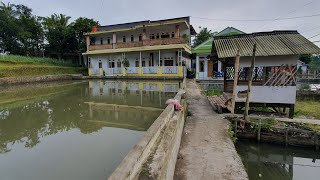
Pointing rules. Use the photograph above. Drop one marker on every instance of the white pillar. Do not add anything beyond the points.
(197, 67)
(159, 58)
(219, 66)
(140, 61)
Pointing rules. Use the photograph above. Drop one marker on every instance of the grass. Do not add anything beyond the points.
(309, 109)
(214, 92)
(14, 59)
(15, 66)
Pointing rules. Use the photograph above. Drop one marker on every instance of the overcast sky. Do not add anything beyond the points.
(121, 11)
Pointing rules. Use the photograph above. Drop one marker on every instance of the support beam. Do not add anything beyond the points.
(197, 66)
(88, 42)
(114, 40)
(159, 57)
(140, 60)
(235, 83)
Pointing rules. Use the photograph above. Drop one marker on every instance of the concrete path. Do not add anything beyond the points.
(206, 151)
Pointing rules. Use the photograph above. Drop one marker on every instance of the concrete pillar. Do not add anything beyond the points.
(159, 58)
(144, 34)
(177, 32)
(114, 40)
(197, 67)
(88, 42)
(140, 60)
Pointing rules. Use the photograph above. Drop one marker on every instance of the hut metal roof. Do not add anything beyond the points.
(268, 44)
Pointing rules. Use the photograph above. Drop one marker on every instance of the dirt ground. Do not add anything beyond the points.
(206, 151)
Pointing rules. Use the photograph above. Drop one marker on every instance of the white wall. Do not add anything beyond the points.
(269, 61)
(269, 94)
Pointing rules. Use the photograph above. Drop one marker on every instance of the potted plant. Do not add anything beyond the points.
(125, 63)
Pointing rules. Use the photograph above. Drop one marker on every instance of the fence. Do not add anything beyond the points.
(169, 70)
(150, 70)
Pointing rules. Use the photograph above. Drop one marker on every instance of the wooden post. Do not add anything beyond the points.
(235, 82)
(259, 131)
(286, 137)
(246, 112)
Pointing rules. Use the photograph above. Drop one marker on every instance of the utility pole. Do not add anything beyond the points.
(246, 112)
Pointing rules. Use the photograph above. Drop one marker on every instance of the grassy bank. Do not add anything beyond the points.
(15, 66)
(308, 108)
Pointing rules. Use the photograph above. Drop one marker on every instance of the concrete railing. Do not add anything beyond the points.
(169, 69)
(132, 70)
(150, 70)
(132, 164)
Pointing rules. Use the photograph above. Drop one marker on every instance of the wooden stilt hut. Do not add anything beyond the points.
(274, 72)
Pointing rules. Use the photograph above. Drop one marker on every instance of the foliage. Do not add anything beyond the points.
(125, 62)
(231, 133)
(305, 87)
(306, 58)
(22, 33)
(81, 26)
(15, 59)
(202, 36)
(315, 64)
(214, 92)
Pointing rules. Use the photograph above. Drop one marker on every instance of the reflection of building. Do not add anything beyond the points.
(133, 93)
(122, 116)
(152, 48)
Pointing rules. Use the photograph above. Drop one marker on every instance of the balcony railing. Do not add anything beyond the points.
(150, 70)
(132, 70)
(169, 69)
(146, 42)
(100, 47)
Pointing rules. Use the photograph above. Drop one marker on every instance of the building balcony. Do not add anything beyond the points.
(146, 42)
(100, 47)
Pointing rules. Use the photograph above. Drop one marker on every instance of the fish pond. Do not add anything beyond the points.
(276, 162)
(75, 130)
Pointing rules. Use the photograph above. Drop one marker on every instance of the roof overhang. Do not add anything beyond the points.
(185, 47)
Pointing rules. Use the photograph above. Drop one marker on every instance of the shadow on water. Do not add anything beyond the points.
(108, 117)
(266, 161)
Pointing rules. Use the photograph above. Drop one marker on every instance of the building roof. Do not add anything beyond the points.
(268, 44)
(230, 30)
(206, 46)
(141, 24)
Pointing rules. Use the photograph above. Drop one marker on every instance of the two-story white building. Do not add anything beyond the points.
(153, 48)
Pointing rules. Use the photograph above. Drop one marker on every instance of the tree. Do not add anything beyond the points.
(306, 58)
(315, 64)
(202, 36)
(81, 26)
(59, 34)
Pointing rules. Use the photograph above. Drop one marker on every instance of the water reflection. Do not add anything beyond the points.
(67, 112)
(274, 162)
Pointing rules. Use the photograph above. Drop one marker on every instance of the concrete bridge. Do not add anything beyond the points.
(177, 146)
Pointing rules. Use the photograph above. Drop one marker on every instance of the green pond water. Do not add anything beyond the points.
(276, 162)
(74, 130)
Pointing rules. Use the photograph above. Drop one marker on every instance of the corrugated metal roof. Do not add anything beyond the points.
(268, 44)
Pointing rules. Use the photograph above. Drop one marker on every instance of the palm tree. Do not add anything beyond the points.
(8, 9)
